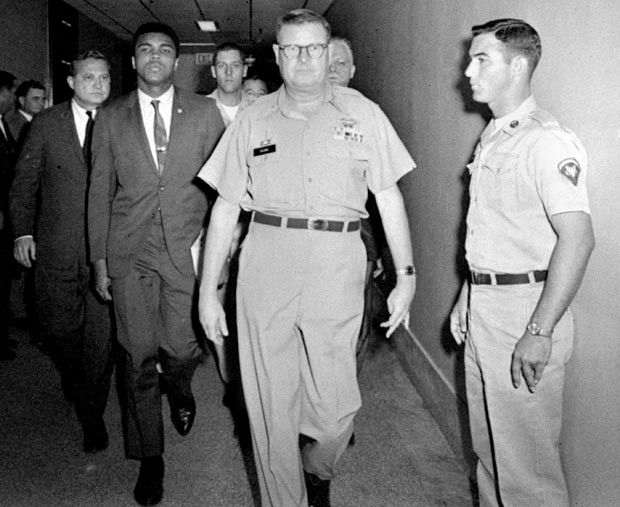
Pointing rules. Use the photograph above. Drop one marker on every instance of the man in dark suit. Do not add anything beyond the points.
(7, 163)
(52, 174)
(145, 211)
(30, 97)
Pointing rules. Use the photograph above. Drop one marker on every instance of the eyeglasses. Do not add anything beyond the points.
(314, 51)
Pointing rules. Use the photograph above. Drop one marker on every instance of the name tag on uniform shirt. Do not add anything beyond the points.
(264, 150)
(347, 130)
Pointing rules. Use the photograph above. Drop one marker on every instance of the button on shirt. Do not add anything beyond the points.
(275, 161)
(526, 168)
(148, 115)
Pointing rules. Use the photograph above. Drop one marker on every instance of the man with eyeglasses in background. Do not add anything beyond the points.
(228, 69)
(302, 160)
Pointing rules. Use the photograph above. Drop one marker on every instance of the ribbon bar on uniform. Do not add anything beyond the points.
(314, 224)
(507, 278)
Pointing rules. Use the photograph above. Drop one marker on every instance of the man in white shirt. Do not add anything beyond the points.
(228, 69)
(144, 213)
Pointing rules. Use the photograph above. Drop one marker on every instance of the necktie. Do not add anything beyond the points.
(88, 137)
(161, 139)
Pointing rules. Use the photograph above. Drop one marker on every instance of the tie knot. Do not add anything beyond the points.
(89, 114)
(155, 104)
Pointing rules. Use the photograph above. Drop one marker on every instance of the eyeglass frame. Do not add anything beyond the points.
(284, 47)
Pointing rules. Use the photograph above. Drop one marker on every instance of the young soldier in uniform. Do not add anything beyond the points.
(301, 160)
(529, 237)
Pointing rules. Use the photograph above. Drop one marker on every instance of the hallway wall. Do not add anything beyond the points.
(24, 47)
(410, 56)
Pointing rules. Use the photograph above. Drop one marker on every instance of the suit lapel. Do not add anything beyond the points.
(68, 130)
(137, 125)
(177, 125)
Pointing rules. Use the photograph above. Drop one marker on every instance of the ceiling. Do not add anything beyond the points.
(247, 22)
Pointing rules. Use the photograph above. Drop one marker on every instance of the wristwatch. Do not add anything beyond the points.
(535, 330)
(407, 270)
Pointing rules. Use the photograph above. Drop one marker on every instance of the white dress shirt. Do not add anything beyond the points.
(148, 115)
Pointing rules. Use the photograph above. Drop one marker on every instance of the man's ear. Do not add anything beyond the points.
(213, 72)
(22, 101)
(352, 71)
(276, 52)
(133, 62)
(519, 65)
(70, 81)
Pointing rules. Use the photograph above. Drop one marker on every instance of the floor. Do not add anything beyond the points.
(399, 459)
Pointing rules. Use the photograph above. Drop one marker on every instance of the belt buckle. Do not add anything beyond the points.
(318, 224)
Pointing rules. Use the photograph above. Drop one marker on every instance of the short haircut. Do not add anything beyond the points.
(7, 80)
(86, 55)
(519, 37)
(156, 27)
(346, 43)
(26, 86)
(228, 46)
(300, 17)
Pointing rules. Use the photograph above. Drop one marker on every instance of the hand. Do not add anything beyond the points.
(25, 251)
(458, 316)
(398, 303)
(212, 318)
(102, 280)
(530, 356)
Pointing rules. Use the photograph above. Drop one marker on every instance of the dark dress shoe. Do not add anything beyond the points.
(149, 489)
(95, 437)
(182, 412)
(318, 491)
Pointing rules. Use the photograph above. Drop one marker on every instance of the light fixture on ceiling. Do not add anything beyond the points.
(208, 26)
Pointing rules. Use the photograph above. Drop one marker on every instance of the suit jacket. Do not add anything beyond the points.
(51, 166)
(126, 190)
(17, 123)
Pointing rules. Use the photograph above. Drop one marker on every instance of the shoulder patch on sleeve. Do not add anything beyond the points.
(570, 168)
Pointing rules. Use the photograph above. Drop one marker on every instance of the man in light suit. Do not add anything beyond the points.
(145, 211)
(52, 173)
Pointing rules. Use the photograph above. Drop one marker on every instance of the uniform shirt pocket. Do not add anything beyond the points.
(500, 182)
(274, 181)
(344, 178)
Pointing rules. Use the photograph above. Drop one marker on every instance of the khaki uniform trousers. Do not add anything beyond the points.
(515, 434)
(299, 307)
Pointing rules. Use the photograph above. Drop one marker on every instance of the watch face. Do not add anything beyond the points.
(533, 328)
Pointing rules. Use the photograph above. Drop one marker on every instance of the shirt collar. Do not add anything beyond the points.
(509, 122)
(282, 102)
(165, 99)
(80, 111)
(25, 115)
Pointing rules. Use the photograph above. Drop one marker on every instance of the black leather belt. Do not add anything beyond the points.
(314, 224)
(507, 278)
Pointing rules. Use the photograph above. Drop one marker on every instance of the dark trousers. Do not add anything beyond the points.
(6, 273)
(153, 306)
(77, 326)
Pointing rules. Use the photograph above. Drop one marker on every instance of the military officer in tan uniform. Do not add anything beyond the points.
(529, 237)
(302, 160)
